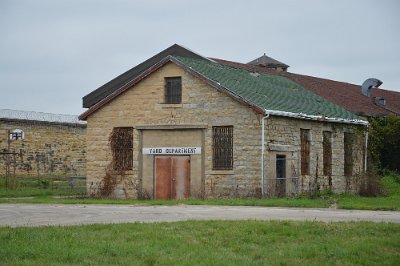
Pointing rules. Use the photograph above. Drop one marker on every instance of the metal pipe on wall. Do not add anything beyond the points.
(262, 152)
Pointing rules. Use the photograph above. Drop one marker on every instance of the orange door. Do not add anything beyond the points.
(172, 177)
(162, 177)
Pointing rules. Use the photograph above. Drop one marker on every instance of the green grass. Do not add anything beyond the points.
(204, 243)
(391, 200)
(38, 192)
(391, 184)
(364, 203)
(304, 202)
(342, 202)
(42, 187)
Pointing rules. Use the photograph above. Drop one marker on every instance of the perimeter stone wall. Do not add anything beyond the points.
(48, 149)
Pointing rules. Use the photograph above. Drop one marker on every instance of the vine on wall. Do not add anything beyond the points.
(121, 144)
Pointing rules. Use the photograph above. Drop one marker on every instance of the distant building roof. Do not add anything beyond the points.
(39, 116)
(344, 94)
(268, 62)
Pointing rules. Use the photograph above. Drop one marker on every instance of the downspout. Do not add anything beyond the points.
(366, 152)
(262, 153)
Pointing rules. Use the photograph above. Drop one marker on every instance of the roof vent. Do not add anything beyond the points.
(380, 101)
(368, 85)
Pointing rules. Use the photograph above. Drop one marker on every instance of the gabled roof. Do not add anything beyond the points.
(7, 114)
(344, 94)
(263, 92)
(110, 87)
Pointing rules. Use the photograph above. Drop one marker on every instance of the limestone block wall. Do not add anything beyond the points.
(201, 106)
(48, 149)
(283, 137)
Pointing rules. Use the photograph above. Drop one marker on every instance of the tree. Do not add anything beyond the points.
(384, 143)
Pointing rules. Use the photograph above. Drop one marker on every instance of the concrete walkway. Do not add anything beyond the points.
(15, 215)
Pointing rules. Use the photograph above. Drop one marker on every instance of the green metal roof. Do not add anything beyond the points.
(267, 91)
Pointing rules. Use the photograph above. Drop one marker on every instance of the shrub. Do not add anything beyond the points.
(384, 143)
(44, 183)
(391, 183)
(371, 185)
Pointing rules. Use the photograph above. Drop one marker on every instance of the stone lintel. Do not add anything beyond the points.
(282, 147)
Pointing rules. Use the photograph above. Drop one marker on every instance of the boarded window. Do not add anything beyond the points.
(121, 141)
(173, 90)
(223, 148)
(305, 151)
(348, 153)
(327, 152)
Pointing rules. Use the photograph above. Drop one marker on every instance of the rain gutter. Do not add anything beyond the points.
(317, 117)
(263, 152)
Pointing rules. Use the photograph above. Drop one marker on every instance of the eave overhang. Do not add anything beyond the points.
(320, 118)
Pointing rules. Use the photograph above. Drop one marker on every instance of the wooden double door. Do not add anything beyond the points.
(171, 177)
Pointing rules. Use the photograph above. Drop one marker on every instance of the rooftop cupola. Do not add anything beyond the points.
(268, 62)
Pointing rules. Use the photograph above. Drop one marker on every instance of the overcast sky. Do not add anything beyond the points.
(53, 52)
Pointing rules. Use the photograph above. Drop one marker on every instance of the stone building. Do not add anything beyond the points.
(42, 144)
(180, 125)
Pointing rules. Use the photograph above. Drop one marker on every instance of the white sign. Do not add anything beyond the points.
(17, 134)
(172, 150)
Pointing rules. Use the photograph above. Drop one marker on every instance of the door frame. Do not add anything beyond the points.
(280, 185)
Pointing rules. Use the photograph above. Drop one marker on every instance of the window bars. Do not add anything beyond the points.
(223, 148)
(121, 141)
(173, 90)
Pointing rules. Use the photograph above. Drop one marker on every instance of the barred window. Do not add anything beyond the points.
(305, 151)
(173, 90)
(121, 141)
(327, 152)
(348, 154)
(223, 148)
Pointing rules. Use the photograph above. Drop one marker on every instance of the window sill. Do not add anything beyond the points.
(222, 172)
(171, 105)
